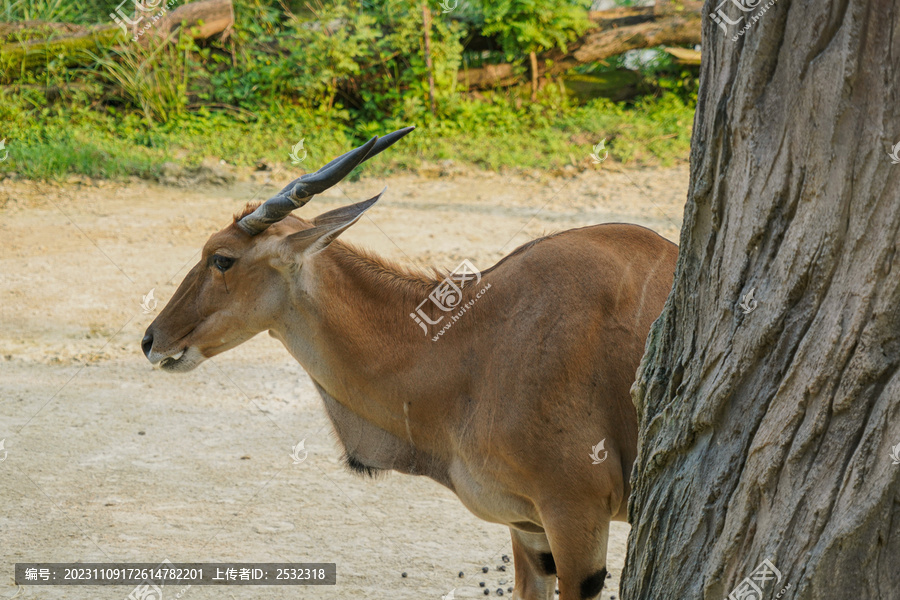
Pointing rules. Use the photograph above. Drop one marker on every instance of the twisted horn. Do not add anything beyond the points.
(301, 190)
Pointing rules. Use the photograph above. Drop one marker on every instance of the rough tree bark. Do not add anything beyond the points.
(767, 435)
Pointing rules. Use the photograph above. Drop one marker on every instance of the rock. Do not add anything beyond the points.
(214, 172)
(77, 179)
(429, 170)
(273, 527)
(210, 172)
(449, 168)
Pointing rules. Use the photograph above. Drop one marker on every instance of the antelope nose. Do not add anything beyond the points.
(147, 343)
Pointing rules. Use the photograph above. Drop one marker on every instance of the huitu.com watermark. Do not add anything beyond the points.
(447, 297)
(144, 13)
(752, 586)
(298, 153)
(732, 13)
(748, 302)
(596, 459)
(600, 152)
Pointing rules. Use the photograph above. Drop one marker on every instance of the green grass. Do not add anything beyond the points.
(56, 10)
(53, 143)
(123, 111)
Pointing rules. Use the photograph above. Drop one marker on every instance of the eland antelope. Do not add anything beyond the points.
(510, 408)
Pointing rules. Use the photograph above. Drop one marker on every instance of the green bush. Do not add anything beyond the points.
(534, 25)
(333, 74)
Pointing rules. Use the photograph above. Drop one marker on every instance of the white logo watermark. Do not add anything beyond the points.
(748, 304)
(723, 20)
(601, 147)
(129, 22)
(150, 591)
(148, 302)
(298, 152)
(3, 441)
(447, 296)
(4, 150)
(895, 454)
(296, 450)
(450, 596)
(595, 452)
(751, 588)
(894, 153)
(447, 6)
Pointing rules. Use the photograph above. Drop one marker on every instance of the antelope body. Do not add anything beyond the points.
(504, 408)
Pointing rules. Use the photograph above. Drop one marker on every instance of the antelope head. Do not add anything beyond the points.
(233, 292)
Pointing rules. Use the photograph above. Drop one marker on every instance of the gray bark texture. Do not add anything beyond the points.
(767, 435)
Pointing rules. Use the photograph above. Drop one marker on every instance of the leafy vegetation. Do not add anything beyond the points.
(333, 74)
(535, 25)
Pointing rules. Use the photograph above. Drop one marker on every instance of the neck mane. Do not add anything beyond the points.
(390, 278)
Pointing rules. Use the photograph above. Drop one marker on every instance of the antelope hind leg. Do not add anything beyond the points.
(535, 567)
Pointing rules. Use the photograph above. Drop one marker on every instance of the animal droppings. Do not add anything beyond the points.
(499, 591)
(505, 558)
(486, 592)
(480, 584)
(509, 589)
(461, 574)
(501, 568)
(484, 569)
(403, 574)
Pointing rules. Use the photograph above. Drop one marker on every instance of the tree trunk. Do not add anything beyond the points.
(767, 435)
(532, 57)
(426, 24)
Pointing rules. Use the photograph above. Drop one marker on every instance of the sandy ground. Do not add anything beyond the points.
(109, 460)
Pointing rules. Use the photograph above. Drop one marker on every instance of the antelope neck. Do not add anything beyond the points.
(348, 324)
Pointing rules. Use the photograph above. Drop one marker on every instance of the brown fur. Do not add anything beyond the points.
(503, 409)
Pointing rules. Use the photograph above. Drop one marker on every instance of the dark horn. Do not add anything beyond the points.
(381, 145)
(301, 190)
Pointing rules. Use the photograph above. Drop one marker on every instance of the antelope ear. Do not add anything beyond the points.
(327, 226)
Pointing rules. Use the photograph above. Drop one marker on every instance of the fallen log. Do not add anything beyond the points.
(684, 56)
(203, 20)
(616, 31)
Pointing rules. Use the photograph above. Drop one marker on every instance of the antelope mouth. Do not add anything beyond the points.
(181, 361)
(171, 361)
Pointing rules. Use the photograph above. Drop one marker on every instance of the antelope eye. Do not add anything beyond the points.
(222, 263)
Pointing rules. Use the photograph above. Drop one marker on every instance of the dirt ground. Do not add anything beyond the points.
(109, 460)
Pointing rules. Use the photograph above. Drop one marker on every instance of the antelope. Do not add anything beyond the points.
(509, 408)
